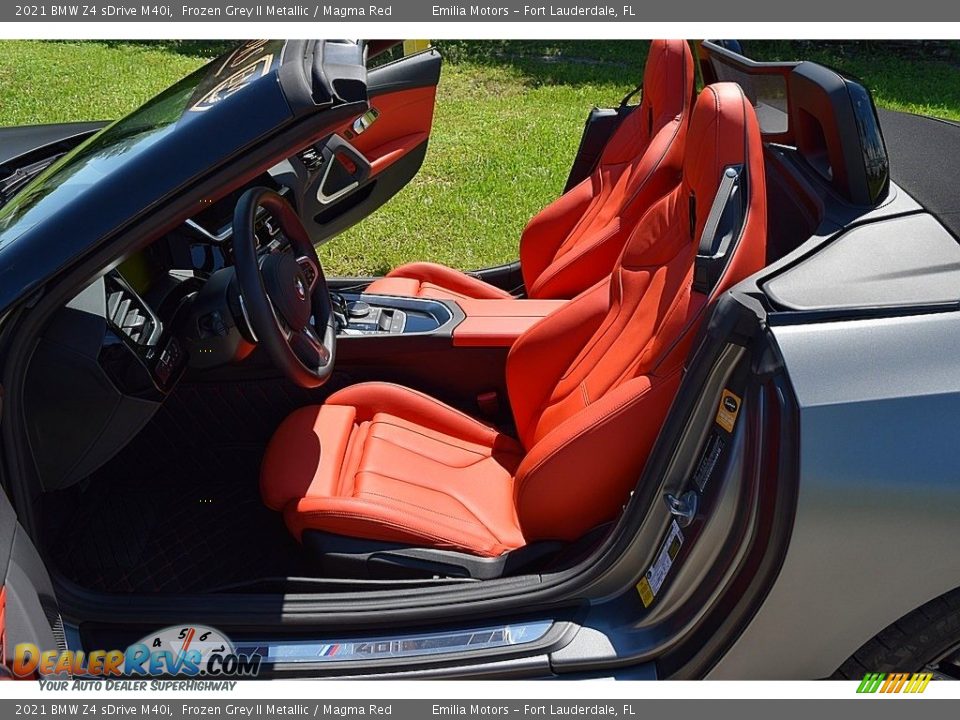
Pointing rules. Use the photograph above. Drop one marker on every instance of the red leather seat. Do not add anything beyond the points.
(575, 241)
(589, 386)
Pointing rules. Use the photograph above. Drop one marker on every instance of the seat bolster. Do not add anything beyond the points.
(306, 454)
(597, 250)
(391, 522)
(368, 399)
(579, 475)
(433, 280)
(542, 354)
(588, 262)
(548, 229)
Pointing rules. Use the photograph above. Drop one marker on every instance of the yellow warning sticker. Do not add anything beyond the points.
(653, 579)
(646, 592)
(728, 410)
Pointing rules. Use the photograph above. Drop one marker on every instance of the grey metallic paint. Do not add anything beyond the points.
(879, 491)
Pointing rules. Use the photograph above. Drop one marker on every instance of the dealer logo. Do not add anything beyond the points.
(193, 651)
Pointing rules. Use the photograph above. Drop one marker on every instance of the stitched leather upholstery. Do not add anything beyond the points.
(575, 241)
(589, 386)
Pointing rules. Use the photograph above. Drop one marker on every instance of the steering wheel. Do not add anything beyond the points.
(283, 295)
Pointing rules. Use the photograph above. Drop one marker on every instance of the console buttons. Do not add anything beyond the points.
(168, 361)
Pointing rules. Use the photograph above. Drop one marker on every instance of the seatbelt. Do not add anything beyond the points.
(629, 96)
(723, 224)
(489, 404)
(623, 107)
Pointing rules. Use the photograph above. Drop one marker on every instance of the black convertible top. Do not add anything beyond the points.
(925, 161)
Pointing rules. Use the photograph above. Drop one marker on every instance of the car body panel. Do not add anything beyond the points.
(18, 141)
(879, 493)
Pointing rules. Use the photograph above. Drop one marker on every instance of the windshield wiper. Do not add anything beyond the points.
(12, 183)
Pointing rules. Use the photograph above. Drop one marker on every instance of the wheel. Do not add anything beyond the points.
(928, 639)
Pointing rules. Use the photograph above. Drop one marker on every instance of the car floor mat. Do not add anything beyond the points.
(184, 527)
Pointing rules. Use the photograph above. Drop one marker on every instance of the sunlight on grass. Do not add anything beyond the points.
(508, 119)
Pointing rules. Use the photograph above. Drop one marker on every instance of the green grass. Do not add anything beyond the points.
(508, 120)
(62, 81)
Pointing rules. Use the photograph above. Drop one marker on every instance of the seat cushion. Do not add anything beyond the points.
(383, 462)
(430, 280)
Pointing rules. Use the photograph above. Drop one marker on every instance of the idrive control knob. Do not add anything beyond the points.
(358, 309)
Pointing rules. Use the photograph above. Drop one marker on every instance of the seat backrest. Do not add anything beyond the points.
(591, 384)
(575, 241)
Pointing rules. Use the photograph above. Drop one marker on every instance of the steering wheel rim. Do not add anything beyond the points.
(286, 312)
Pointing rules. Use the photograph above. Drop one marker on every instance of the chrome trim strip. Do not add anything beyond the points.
(397, 647)
(227, 232)
(246, 319)
(222, 237)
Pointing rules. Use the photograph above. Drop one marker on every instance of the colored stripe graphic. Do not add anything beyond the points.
(913, 683)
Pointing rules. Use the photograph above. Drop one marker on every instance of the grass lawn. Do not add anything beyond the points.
(508, 120)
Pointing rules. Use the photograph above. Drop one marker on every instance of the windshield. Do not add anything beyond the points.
(125, 139)
(94, 159)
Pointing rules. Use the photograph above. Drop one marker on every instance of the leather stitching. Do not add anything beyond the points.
(428, 437)
(624, 404)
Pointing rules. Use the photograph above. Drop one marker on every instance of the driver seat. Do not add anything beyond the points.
(589, 386)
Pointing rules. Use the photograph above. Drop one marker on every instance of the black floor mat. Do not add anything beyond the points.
(177, 527)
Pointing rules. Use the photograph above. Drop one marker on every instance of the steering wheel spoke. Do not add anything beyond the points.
(311, 271)
(310, 348)
(281, 323)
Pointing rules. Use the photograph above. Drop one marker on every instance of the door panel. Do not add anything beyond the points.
(404, 122)
(370, 159)
(28, 606)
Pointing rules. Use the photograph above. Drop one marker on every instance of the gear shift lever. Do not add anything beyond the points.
(340, 312)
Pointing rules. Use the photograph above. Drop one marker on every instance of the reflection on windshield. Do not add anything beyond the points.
(96, 158)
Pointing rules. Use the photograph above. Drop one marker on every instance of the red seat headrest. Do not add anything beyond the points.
(667, 88)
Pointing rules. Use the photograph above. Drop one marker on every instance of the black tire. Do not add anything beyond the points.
(914, 642)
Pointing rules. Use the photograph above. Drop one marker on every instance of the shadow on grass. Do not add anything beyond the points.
(555, 62)
(897, 72)
(204, 49)
(538, 62)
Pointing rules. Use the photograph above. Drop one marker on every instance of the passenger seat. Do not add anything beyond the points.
(574, 242)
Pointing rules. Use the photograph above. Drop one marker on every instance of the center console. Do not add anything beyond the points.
(451, 349)
(379, 316)
(465, 322)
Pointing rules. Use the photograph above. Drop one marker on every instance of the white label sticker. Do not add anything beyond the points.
(664, 561)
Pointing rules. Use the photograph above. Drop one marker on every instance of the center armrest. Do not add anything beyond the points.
(498, 323)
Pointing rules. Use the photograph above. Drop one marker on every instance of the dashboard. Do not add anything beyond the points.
(114, 352)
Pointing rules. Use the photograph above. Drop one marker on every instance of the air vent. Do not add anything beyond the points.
(127, 313)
